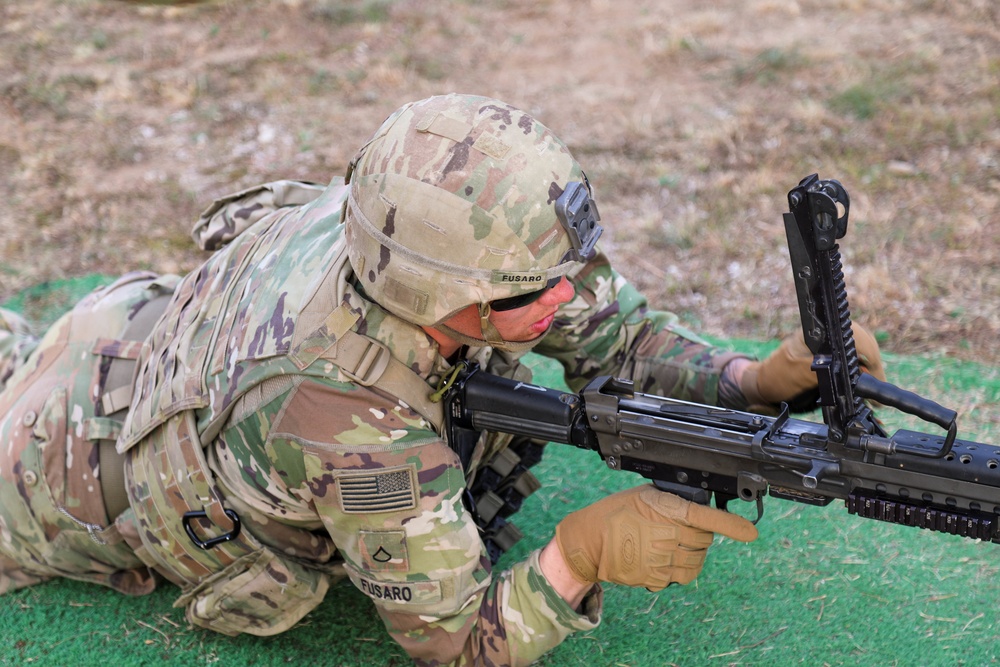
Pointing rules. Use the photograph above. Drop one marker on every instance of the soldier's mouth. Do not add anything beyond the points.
(542, 325)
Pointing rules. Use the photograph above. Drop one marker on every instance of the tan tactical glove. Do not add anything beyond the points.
(644, 537)
(786, 374)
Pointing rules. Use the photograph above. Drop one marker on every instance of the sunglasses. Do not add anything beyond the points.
(521, 300)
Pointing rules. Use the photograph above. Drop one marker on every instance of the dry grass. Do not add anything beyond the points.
(120, 121)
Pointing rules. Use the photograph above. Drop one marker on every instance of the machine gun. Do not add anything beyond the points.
(932, 481)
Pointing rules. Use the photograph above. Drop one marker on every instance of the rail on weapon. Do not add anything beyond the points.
(933, 481)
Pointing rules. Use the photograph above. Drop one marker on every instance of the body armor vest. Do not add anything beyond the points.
(273, 306)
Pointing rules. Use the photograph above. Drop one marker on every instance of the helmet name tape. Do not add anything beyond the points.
(521, 300)
(519, 278)
(577, 212)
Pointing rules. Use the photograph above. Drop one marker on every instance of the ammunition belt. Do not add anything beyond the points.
(498, 491)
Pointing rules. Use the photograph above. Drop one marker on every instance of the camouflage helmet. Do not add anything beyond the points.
(459, 200)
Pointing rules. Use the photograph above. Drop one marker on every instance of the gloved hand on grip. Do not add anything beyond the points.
(644, 537)
(786, 375)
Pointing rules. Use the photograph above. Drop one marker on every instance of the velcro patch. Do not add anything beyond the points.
(384, 490)
(396, 592)
(412, 299)
(490, 145)
(445, 126)
(384, 550)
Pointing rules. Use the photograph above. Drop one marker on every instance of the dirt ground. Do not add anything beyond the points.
(120, 122)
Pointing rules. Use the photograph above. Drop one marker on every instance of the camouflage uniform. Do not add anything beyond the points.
(274, 393)
(57, 433)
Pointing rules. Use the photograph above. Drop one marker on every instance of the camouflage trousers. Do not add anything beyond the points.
(57, 432)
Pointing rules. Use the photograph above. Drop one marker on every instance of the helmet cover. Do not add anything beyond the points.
(455, 201)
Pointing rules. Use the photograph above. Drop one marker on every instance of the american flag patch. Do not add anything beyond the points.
(382, 491)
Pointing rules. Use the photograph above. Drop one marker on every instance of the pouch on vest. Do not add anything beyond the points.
(230, 216)
(238, 585)
(260, 594)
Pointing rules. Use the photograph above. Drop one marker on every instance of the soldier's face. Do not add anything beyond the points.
(516, 325)
(531, 321)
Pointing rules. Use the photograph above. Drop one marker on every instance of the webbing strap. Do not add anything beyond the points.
(370, 363)
(117, 394)
(112, 479)
(117, 399)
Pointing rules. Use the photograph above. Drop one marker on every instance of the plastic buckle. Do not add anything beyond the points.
(371, 365)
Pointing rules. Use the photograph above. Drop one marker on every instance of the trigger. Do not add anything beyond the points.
(752, 485)
(722, 503)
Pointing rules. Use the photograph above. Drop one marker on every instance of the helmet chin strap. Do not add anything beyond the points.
(491, 335)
